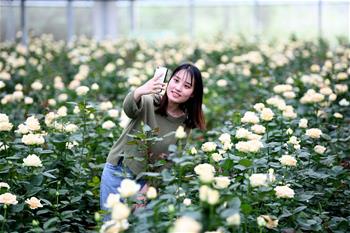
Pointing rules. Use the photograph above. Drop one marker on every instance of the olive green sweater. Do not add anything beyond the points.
(143, 111)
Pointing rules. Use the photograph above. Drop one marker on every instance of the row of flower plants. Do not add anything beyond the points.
(274, 157)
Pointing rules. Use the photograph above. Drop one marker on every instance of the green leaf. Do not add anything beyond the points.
(50, 222)
(246, 162)
(299, 209)
(246, 208)
(47, 174)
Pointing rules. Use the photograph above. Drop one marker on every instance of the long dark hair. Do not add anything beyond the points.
(193, 106)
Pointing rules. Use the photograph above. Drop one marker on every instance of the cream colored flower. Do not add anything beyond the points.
(28, 100)
(204, 168)
(234, 220)
(270, 221)
(209, 146)
(32, 161)
(8, 199)
(4, 185)
(259, 106)
(32, 123)
(112, 200)
(5, 124)
(37, 85)
(266, 114)
(250, 117)
(34, 203)
(82, 90)
(221, 182)
(320, 149)
(225, 138)
(284, 192)
(193, 151)
(242, 133)
(33, 139)
(62, 111)
(113, 113)
(249, 146)
(344, 102)
(217, 157)
(288, 160)
(180, 132)
(313, 133)
(258, 179)
(186, 224)
(128, 188)
(151, 193)
(120, 211)
(261, 221)
(338, 115)
(208, 195)
(303, 123)
(104, 106)
(108, 124)
(95, 86)
(187, 202)
(258, 129)
(71, 128)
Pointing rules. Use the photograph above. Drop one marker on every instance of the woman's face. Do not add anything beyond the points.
(180, 87)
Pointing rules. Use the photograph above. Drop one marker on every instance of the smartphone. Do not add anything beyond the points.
(163, 71)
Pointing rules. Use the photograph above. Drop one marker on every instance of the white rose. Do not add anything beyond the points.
(32, 161)
(4, 118)
(71, 128)
(319, 149)
(62, 111)
(344, 102)
(180, 132)
(258, 129)
(62, 97)
(32, 123)
(338, 115)
(225, 138)
(208, 195)
(234, 220)
(259, 106)
(52, 102)
(34, 203)
(22, 129)
(303, 123)
(258, 179)
(288, 160)
(209, 146)
(113, 113)
(104, 106)
(4, 185)
(112, 200)
(242, 133)
(250, 117)
(187, 202)
(2, 84)
(266, 114)
(28, 100)
(186, 225)
(120, 211)
(33, 139)
(95, 86)
(128, 188)
(193, 151)
(5, 126)
(82, 90)
(8, 199)
(108, 124)
(216, 157)
(206, 177)
(204, 168)
(284, 192)
(37, 85)
(221, 182)
(151, 193)
(313, 133)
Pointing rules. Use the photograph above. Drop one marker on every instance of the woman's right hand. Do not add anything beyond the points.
(152, 86)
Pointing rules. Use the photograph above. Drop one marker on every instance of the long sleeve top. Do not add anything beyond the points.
(143, 111)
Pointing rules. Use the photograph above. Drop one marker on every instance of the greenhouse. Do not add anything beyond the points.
(186, 116)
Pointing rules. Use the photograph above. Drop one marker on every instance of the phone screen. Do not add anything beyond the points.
(161, 71)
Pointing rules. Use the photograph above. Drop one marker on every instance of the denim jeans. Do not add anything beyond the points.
(111, 179)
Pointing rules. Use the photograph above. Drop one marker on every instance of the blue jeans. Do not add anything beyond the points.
(111, 179)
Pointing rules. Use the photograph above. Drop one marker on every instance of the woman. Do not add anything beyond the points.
(181, 105)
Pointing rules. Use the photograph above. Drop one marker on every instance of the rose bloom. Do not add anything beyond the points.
(112, 200)
(216, 157)
(313, 133)
(303, 123)
(250, 117)
(151, 193)
(8, 199)
(4, 185)
(270, 222)
(108, 124)
(82, 90)
(128, 188)
(71, 128)
(221, 182)
(266, 114)
(113, 113)
(320, 149)
(338, 115)
(32, 123)
(208, 195)
(186, 224)
(249, 146)
(34, 203)
(288, 160)
(28, 100)
(206, 177)
(234, 220)
(104, 106)
(258, 129)
(33, 139)
(120, 211)
(187, 202)
(259, 106)
(344, 102)
(225, 138)
(62, 111)
(37, 85)
(242, 133)
(284, 192)
(209, 146)
(180, 132)
(204, 168)
(258, 179)
(62, 97)
(32, 161)
(193, 151)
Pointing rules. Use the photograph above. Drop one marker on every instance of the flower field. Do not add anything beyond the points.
(274, 157)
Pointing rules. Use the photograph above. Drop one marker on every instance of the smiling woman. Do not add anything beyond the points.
(180, 106)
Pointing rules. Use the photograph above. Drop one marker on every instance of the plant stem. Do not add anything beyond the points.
(3, 222)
